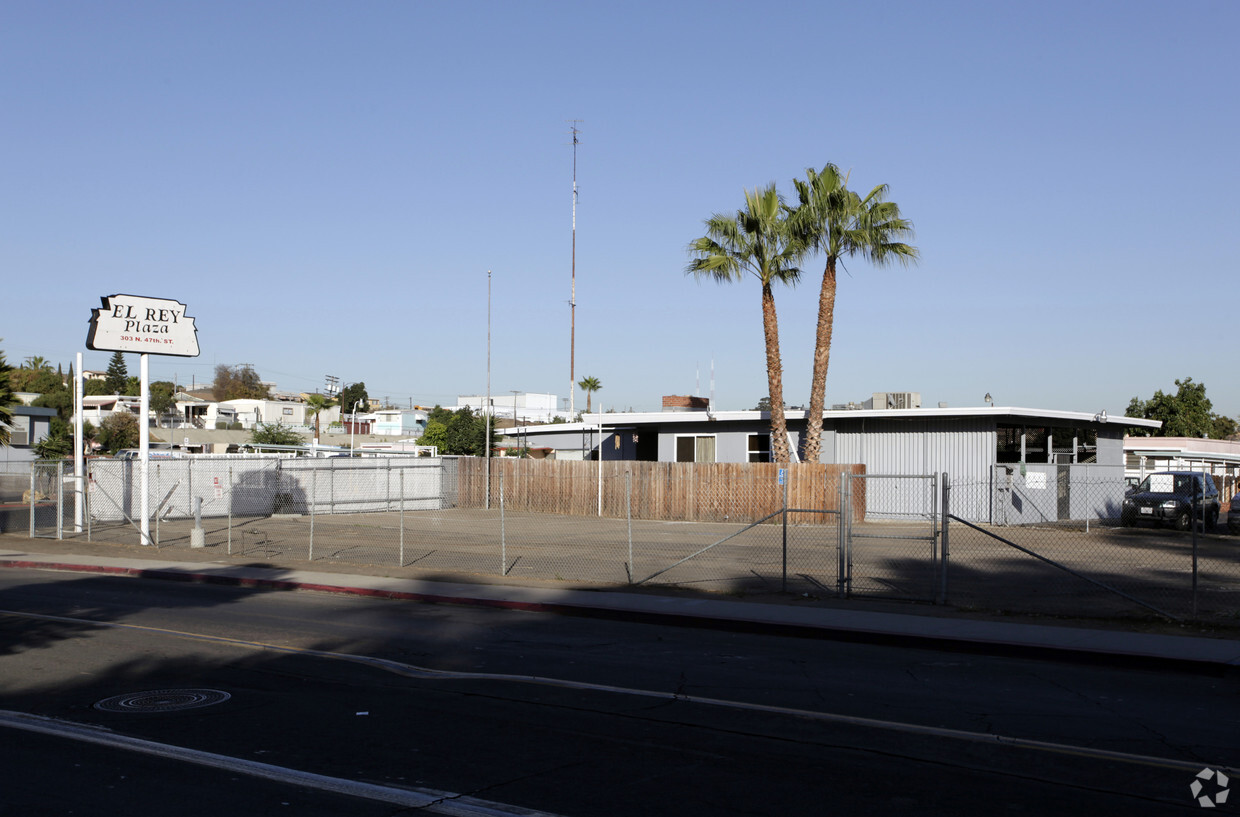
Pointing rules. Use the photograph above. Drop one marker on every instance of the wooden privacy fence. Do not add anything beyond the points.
(670, 491)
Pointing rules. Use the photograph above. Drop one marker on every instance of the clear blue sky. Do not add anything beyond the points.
(327, 184)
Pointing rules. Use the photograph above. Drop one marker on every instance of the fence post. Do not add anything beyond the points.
(402, 517)
(628, 512)
(314, 485)
(943, 555)
(230, 504)
(159, 508)
(845, 569)
(839, 533)
(60, 499)
(1193, 525)
(783, 581)
(503, 542)
(34, 466)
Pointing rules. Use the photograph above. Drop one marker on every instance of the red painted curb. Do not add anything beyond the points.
(171, 574)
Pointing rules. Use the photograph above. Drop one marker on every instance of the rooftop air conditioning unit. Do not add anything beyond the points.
(897, 400)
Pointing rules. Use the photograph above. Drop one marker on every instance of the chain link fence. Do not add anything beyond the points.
(892, 536)
(1033, 539)
(1056, 539)
(34, 496)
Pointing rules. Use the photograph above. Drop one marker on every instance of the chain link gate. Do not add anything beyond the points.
(890, 537)
(46, 499)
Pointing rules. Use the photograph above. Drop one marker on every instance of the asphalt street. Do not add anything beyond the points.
(570, 716)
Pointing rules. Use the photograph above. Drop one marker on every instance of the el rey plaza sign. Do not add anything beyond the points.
(146, 326)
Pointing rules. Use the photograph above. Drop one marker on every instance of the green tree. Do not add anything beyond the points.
(38, 381)
(59, 398)
(118, 431)
(462, 433)
(1187, 413)
(351, 395)
(316, 404)
(7, 401)
(438, 414)
(436, 434)
(756, 241)
(58, 443)
(163, 399)
(465, 433)
(237, 383)
(117, 375)
(837, 223)
(275, 434)
(589, 385)
(36, 362)
(94, 388)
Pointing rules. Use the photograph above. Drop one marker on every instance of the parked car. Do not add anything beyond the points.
(1233, 515)
(1173, 498)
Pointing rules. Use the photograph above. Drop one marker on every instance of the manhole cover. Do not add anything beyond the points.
(162, 700)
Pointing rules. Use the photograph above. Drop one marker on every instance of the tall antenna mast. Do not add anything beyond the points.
(572, 341)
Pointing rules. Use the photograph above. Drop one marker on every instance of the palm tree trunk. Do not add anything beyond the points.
(775, 377)
(822, 357)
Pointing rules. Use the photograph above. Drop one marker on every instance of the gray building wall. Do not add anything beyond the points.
(963, 447)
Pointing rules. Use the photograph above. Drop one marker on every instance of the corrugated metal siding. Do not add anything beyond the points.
(963, 448)
(1110, 447)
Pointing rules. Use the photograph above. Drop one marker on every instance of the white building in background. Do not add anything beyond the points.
(1218, 457)
(396, 422)
(251, 413)
(523, 407)
(97, 408)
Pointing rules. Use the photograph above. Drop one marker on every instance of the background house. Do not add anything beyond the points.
(97, 408)
(397, 422)
(250, 412)
(522, 407)
(1221, 458)
(31, 425)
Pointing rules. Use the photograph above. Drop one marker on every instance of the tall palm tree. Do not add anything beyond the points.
(756, 241)
(590, 385)
(316, 404)
(836, 222)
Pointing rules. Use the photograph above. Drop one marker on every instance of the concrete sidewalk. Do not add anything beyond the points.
(957, 633)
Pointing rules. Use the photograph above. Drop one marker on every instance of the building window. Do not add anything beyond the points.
(759, 447)
(1008, 443)
(695, 449)
(19, 432)
(1068, 445)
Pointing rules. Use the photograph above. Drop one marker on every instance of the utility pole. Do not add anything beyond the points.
(572, 343)
(487, 407)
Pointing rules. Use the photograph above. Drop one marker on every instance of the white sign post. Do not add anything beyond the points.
(144, 326)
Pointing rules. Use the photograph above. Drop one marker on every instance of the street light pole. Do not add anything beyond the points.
(514, 417)
(353, 427)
